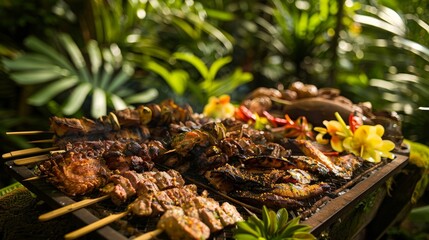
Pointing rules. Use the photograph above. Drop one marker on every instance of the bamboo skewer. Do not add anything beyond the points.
(29, 160)
(70, 208)
(28, 151)
(29, 132)
(149, 235)
(34, 178)
(95, 225)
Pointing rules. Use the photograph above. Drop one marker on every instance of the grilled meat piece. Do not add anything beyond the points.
(299, 191)
(162, 200)
(299, 176)
(228, 177)
(310, 150)
(268, 199)
(179, 226)
(348, 163)
(309, 164)
(122, 190)
(75, 173)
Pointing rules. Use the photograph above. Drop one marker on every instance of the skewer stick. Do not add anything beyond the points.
(28, 151)
(28, 132)
(149, 235)
(29, 160)
(95, 225)
(34, 178)
(70, 208)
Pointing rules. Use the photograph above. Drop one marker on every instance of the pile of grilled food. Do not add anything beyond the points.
(164, 162)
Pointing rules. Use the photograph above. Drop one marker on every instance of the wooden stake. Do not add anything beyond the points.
(28, 151)
(29, 160)
(95, 225)
(149, 235)
(28, 132)
(34, 178)
(70, 208)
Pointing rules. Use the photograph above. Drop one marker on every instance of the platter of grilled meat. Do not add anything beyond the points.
(163, 169)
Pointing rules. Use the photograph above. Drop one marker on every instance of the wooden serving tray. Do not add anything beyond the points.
(327, 214)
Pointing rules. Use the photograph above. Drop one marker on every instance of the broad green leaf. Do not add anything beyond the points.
(98, 105)
(106, 75)
(267, 220)
(51, 90)
(245, 227)
(73, 50)
(76, 98)
(21, 64)
(282, 217)
(244, 236)
(143, 97)
(210, 29)
(158, 69)
(194, 61)
(95, 59)
(178, 81)
(123, 76)
(304, 236)
(216, 66)
(39, 76)
(420, 214)
(38, 46)
(118, 102)
(188, 29)
(221, 15)
(76, 56)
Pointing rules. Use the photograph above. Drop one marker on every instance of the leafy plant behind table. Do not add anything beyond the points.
(383, 59)
(100, 81)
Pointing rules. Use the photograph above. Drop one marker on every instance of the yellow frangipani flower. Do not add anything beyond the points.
(220, 107)
(331, 134)
(367, 143)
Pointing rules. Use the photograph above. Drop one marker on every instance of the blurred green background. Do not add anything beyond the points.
(85, 58)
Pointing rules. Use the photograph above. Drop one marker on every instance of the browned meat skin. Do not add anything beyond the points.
(75, 126)
(299, 191)
(348, 163)
(137, 134)
(86, 166)
(125, 185)
(162, 200)
(179, 226)
(123, 189)
(228, 177)
(309, 164)
(268, 199)
(310, 150)
(75, 173)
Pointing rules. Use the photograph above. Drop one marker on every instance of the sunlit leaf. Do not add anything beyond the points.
(23, 64)
(117, 102)
(143, 97)
(37, 45)
(98, 107)
(194, 61)
(124, 75)
(38, 76)
(76, 56)
(216, 66)
(50, 91)
(76, 98)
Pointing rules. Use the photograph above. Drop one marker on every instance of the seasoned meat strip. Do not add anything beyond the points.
(179, 226)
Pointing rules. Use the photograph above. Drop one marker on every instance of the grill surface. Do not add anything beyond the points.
(319, 213)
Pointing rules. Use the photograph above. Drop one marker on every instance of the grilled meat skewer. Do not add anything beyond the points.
(87, 166)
